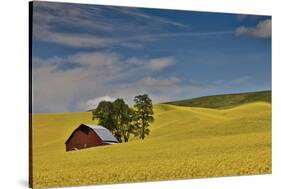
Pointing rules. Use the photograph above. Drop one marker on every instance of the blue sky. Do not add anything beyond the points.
(83, 54)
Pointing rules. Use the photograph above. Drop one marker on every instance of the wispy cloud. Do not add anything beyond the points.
(138, 14)
(100, 29)
(262, 29)
(76, 40)
(104, 26)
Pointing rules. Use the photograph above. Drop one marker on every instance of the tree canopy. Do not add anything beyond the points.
(143, 114)
(123, 120)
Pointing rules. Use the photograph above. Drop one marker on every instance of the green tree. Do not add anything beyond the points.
(123, 117)
(143, 114)
(106, 115)
(131, 126)
(116, 116)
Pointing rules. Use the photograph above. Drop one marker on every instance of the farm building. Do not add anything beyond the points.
(86, 136)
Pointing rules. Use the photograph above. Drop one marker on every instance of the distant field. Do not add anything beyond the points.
(185, 142)
(225, 100)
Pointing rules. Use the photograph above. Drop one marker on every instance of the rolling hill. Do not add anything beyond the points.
(225, 100)
(185, 142)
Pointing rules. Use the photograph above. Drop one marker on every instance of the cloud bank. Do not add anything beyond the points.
(87, 76)
(261, 30)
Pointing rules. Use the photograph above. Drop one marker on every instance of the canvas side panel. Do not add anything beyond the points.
(30, 181)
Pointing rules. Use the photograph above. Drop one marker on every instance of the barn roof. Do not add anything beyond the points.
(103, 133)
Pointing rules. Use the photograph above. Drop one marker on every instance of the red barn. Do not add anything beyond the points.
(86, 136)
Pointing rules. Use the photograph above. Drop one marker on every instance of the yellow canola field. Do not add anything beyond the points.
(185, 142)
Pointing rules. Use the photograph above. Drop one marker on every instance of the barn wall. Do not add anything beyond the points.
(81, 140)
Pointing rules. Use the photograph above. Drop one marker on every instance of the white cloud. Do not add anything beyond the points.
(53, 61)
(161, 63)
(59, 90)
(94, 75)
(262, 29)
(95, 58)
(93, 103)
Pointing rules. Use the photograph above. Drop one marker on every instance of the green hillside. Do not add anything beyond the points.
(225, 100)
(185, 142)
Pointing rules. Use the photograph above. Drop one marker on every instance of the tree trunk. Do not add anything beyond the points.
(142, 134)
